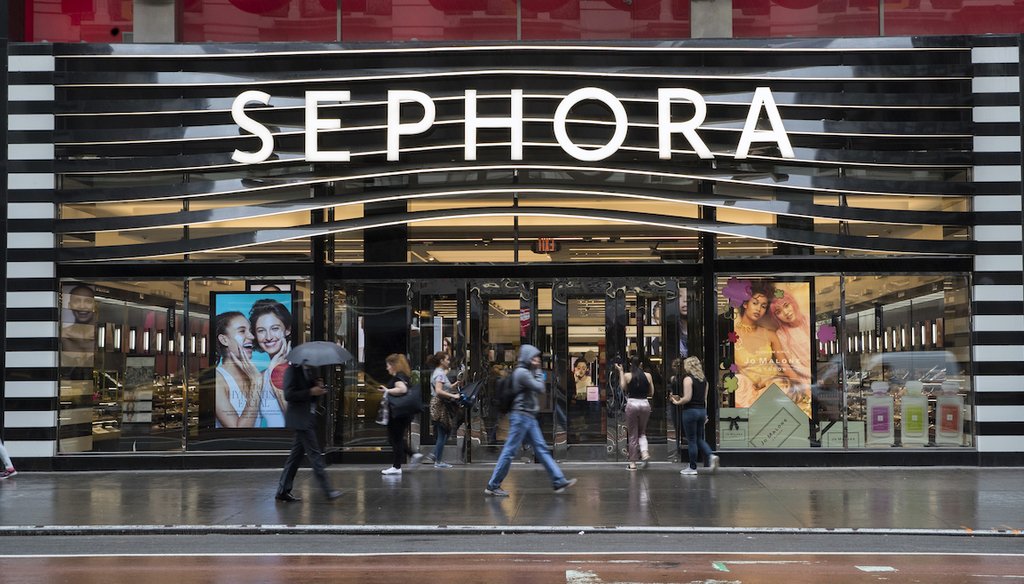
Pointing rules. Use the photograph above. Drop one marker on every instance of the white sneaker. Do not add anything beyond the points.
(688, 471)
(714, 462)
(416, 459)
(391, 471)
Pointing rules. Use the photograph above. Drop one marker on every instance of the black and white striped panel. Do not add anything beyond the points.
(999, 266)
(31, 371)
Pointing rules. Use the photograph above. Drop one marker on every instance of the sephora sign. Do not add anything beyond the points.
(763, 100)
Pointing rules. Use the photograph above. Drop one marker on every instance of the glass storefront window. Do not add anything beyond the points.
(136, 373)
(604, 19)
(428, 20)
(372, 320)
(953, 17)
(907, 342)
(258, 21)
(804, 18)
(795, 374)
(120, 377)
(77, 21)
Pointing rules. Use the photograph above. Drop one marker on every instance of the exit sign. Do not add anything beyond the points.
(545, 245)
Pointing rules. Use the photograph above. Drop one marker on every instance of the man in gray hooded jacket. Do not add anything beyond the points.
(528, 380)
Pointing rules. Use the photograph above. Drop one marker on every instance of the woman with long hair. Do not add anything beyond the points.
(272, 325)
(760, 359)
(695, 414)
(239, 384)
(794, 334)
(443, 404)
(398, 422)
(639, 388)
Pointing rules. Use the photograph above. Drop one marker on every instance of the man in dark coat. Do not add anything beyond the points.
(302, 392)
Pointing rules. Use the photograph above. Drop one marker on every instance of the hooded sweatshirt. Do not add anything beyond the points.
(528, 382)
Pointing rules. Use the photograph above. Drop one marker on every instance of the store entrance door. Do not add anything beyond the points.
(594, 324)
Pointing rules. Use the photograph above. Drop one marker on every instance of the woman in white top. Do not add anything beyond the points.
(443, 404)
(239, 383)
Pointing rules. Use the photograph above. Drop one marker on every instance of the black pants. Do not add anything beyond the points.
(304, 444)
(398, 426)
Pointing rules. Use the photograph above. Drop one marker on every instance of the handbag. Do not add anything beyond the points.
(407, 404)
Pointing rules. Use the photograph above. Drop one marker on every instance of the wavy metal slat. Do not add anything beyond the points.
(647, 193)
(267, 236)
(766, 179)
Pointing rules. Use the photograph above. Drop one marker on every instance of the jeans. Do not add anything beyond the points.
(638, 411)
(693, 426)
(442, 437)
(524, 427)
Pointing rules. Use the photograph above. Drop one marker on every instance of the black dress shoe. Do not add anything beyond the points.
(332, 495)
(286, 497)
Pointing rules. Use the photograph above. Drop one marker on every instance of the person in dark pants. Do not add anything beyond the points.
(399, 421)
(302, 392)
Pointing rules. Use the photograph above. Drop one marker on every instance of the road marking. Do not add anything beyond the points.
(580, 577)
(876, 568)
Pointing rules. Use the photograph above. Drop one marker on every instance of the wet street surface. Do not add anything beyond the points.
(521, 558)
(779, 526)
(536, 568)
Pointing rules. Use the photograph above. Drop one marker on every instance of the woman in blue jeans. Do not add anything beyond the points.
(443, 404)
(695, 414)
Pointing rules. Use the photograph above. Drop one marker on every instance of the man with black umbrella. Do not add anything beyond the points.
(302, 391)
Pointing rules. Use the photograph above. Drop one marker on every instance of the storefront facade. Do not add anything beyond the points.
(832, 225)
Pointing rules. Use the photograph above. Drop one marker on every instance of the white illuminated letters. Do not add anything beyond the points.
(514, 123)
(396, 128)
(688, 128)
(763, 98)
(250, 125)
(621, 124)
(314, 124)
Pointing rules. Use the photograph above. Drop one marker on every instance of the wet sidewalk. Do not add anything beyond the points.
(940, 500)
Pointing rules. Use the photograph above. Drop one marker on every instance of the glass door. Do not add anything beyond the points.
(495, 335)
(439, 326)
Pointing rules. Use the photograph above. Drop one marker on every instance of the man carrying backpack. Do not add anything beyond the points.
(528, 382)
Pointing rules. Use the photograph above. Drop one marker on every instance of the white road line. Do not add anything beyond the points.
(876, 568)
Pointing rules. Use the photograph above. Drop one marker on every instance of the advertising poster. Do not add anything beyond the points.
(78, 328)
(771, 340)
(251, 338)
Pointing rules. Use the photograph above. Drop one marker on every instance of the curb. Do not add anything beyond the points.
(66, 530)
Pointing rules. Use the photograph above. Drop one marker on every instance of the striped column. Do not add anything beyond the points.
(998, 293)
(32, 313)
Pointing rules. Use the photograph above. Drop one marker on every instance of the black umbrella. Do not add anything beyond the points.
(319, 353)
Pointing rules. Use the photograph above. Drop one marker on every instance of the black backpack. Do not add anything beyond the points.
(506, 392)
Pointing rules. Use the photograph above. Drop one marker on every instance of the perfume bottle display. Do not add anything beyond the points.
(914, 415)
(879, 407)
(949, 416)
